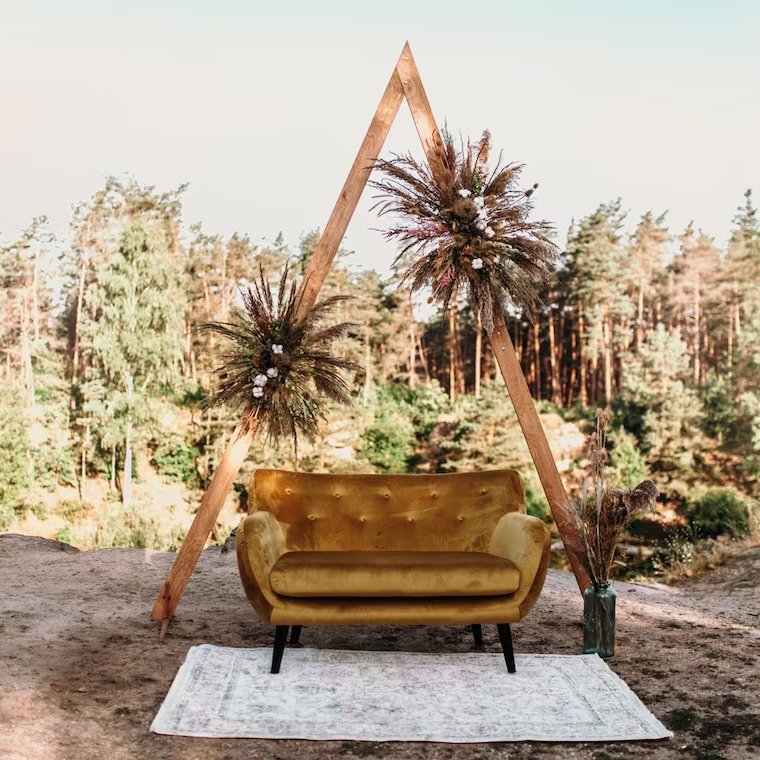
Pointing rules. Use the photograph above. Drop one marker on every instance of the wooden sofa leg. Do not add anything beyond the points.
(505, 636)
(295, 634)
(477, 632)
(280, 637)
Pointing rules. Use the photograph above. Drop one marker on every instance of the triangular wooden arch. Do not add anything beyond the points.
(405, 82)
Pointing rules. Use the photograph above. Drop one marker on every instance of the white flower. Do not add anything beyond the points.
(481, 224)
(276, 348)
(483, 215)
(257, 392)
(479, 201)
(260, 380)
(272, 372)
(489, 233)
(464, 193)
(477, 263)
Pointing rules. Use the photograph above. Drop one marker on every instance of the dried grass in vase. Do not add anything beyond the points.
(280, 369)
(601, 514)
(467, 228)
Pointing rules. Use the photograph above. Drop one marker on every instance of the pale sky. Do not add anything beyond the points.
(262, 106)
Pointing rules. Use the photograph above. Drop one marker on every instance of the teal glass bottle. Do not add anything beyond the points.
(599, 620)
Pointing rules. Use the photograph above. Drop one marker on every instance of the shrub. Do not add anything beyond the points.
(629, 466)
(15, 475)
(175, 460)
(535, 499)
(389, 443)
(719, 511)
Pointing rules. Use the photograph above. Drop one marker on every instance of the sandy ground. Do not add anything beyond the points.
(82, 674)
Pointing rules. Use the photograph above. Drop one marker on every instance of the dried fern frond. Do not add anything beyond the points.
(278, 368)
(467, 228)
(601, 514)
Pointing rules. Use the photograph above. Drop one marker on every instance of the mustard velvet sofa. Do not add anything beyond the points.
(458, 548)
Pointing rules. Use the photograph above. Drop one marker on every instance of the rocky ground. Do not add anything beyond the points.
(82, 674)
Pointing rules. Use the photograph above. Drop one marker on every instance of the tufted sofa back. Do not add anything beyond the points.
(452, 512)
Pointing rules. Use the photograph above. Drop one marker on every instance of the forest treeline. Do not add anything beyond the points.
(103, 372)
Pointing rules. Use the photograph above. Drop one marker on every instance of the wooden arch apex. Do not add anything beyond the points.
(405, 83)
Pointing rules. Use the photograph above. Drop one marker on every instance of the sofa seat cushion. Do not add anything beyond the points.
(393, 574)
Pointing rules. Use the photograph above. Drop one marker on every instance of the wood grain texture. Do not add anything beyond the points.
(535, 437)
(203, 524)
(419, 105)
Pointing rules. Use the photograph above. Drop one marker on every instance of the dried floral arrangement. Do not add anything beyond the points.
(280, 368)
(467, 228)
(601, 514)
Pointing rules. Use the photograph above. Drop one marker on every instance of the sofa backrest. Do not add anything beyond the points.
(451, 512)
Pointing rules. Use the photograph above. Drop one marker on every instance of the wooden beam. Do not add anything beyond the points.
(202, 525)
(419, 105)
(503, 349)
(535, 437)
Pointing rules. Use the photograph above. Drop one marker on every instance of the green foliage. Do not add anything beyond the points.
(487, 435)
(131, 528)
(628, 465)
(535, 499)
(657, 407)
(389, 443)
(176, 461)
(720, 512)
(15, 453)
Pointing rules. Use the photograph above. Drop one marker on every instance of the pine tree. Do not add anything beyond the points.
(131, 332)
(601, 277)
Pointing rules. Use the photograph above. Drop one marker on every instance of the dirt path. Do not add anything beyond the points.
(82, 675)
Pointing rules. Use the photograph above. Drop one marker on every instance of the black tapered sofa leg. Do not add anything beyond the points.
(505, 637)
(295, 634)
(280, 638)
(477, 633)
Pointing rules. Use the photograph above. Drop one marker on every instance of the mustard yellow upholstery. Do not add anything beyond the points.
(380, 573)
(454, 548)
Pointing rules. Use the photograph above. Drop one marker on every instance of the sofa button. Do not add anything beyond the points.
(434, 494)
(410, 519)
(362, 519)
(386, 496)
(288, 490)
(312, 517)
(484, 491)
(336, 495)
(460, 518)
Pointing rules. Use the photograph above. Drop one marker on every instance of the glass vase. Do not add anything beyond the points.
(599, 620)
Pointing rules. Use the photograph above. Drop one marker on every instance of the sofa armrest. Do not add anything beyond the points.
(260, 542)
(524, 540)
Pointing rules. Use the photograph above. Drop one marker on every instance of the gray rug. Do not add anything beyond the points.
(401, 696)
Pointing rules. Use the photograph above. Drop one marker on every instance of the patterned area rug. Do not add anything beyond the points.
(401, 696)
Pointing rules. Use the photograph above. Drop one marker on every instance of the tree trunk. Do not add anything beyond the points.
(112, 483)
(126, 481)
(478, 353)
(607, 332)
(77, 326)
(367, 366)
(537, 355)
(640, 316)
(553, 365)
(452, 355)
(581, 356)
(412, 346)
(697, 328)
